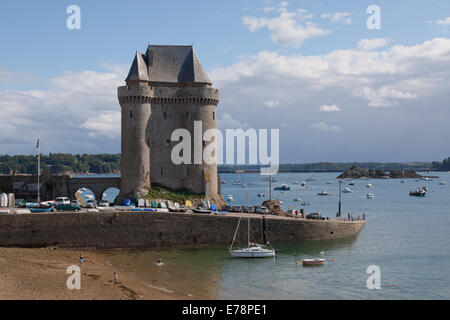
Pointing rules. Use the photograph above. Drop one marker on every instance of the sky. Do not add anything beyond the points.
(336, 90)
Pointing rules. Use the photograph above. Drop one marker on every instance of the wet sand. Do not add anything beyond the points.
(40, 274)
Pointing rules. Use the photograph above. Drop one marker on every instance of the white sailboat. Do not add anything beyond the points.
(253, 250)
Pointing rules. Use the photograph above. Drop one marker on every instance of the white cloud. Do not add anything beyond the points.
(383, 96)
(374, 43)
(325, 127)
(105, 124)
(383, 78)
(288, 28)
(330, 108)
(226, 121)
(444, 22)
(76, 109)
(272, 103)
(343, 17)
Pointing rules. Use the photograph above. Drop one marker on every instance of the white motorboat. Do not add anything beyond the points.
(329, 182)
(323, 193)
(295, 182)
(230, 198)
(346, 190)
(369, 185)
(260, 194)
(297, 199)
(370, 196)
(442, 183)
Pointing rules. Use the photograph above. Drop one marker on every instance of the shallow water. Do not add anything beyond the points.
(407, 237)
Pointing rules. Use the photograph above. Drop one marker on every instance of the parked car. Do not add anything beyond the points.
(249, 209)
(227, 208)
(315, 216)
(68, 207)
(62, 200)
(236, 209)
(264, 210)
(103, 203)
(91, 203)
(75, 203)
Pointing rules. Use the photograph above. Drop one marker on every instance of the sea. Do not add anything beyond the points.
(406, 240)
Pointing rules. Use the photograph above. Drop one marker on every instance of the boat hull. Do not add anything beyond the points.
(313, 262)
(244, 253)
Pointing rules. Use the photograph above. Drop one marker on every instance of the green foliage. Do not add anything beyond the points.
(441, 166)
(57, 163)
(180, 196)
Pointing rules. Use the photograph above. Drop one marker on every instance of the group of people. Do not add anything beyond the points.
(351, 218)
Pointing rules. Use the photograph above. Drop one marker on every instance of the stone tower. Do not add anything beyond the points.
(166, 89)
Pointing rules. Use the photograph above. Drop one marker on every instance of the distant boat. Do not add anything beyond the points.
(283, 187)
(351, 183)
(244, 186)
(313, 262)
(442, 183)
(303, 184)
(403, 181)
(370, 196)
(419, 192)
(224, 182)
(323, 193)
(329, 182)
(297, 199)
(230, 198)
(260, 194)
(310, 179)
(369, 185)
(251, 183)
(295, 182)
(346, 190)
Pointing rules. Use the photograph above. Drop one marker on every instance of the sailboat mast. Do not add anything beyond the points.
(248, 213)
(39, 171)
(270, 187)
(339, 207)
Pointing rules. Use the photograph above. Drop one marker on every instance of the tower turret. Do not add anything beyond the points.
(135, 100)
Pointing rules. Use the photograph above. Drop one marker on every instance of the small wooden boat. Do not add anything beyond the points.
(313, 262)
(40, 208)
(202, 211)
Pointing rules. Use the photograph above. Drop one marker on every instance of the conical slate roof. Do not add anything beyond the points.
(138, 70)
(170, 64)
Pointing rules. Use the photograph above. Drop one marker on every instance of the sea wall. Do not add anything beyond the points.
(152, 230)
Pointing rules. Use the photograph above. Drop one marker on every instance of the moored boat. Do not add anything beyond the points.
(313, 262)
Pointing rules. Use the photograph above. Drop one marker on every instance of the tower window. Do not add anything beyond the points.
(165, 115)
(161, 170)
(187, 114)
(204, 143)
(188, 172)
(214, 115)
(168, 143)
(131, 114)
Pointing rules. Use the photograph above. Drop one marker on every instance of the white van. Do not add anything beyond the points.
(62, 200)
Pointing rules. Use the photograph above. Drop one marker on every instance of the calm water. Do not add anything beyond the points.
(407, 237)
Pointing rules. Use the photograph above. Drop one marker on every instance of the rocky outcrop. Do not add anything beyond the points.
(357, 173)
